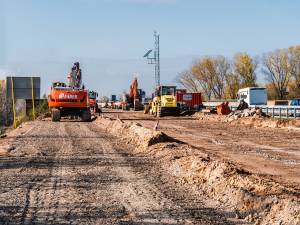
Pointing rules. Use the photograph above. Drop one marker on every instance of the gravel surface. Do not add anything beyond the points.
(77, 173)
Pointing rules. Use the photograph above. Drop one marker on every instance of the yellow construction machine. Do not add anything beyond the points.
(163, 102)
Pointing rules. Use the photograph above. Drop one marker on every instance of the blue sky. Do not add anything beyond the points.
(109, 37)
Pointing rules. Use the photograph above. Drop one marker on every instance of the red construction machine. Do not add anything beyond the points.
(70, 100)
(134, 98)
(93, 102)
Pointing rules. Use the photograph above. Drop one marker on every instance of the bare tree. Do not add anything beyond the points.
(245, 67)
(277, 70)
(221, 70)
(201, 70)
(233, 84)
(189, 81)
(294, 59)
(211, 73)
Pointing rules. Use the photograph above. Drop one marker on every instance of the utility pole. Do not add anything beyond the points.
(155, 59)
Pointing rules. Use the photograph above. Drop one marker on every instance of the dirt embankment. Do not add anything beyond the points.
(255, 199)
(254, 121)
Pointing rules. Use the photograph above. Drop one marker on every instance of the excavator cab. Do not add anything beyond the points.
(56, 85)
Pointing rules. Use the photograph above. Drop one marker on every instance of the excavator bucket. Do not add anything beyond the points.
(223, 109)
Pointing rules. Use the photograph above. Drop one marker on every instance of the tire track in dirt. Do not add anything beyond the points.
(151, 196)
(40, 195)
(77, 173)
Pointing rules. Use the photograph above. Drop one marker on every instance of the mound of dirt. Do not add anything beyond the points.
(255, 121)
(209, 117)
(254, 198)
(268, 122)
(134, 133)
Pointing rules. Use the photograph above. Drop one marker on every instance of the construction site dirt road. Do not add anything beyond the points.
(269, 152)
(78, 173)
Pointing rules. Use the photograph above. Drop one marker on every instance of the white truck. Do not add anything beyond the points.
(253, 96)
(257, 97)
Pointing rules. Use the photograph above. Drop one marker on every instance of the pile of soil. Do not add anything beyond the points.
(268, 122)
(134, 132)
(209, 117)
(254, 119)
(254, 198)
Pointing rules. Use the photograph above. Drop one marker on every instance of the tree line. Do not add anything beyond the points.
(218, 77)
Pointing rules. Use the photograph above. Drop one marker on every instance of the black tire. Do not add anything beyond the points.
(86, 116)
(55, 115)
(136, 105)
(159, 112)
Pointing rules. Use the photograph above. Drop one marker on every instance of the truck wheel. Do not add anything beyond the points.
(86, 116)
(55, 115)
(159, 113)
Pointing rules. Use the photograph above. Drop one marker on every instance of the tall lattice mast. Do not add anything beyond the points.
(155, 59)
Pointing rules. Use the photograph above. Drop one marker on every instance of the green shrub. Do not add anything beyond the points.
(39, 110)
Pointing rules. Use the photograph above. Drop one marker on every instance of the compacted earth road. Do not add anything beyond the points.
(270, 152)
(77, 173)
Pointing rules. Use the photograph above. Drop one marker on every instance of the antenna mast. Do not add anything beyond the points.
(155, 59)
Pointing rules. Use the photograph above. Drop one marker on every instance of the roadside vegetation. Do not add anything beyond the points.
(3, 106)
(218, 77)
(40, 109)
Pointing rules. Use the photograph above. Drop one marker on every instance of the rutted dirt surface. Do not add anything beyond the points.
(271, 152)
(77, 173)
(253, 198)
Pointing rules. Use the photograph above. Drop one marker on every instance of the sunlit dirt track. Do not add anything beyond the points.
(77, 173)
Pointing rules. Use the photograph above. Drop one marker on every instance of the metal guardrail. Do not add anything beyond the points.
(278, 111)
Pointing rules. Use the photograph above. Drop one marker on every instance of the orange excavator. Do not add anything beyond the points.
(134, 98)
(134, 95)
(70, 100)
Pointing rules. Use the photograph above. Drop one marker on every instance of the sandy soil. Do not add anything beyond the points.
(270, 152)
(78, 173)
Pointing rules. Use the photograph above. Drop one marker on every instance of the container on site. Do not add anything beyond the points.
(193, 100)
(253, 95)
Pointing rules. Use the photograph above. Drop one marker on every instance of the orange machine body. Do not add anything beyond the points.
(223, 109)
(134, 93)
(68, 98)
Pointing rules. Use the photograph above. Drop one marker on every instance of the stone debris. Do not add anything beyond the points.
(254, 112)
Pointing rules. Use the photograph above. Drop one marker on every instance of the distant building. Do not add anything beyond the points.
(22, 89)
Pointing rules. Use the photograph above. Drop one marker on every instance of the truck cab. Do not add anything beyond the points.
(93, 102)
